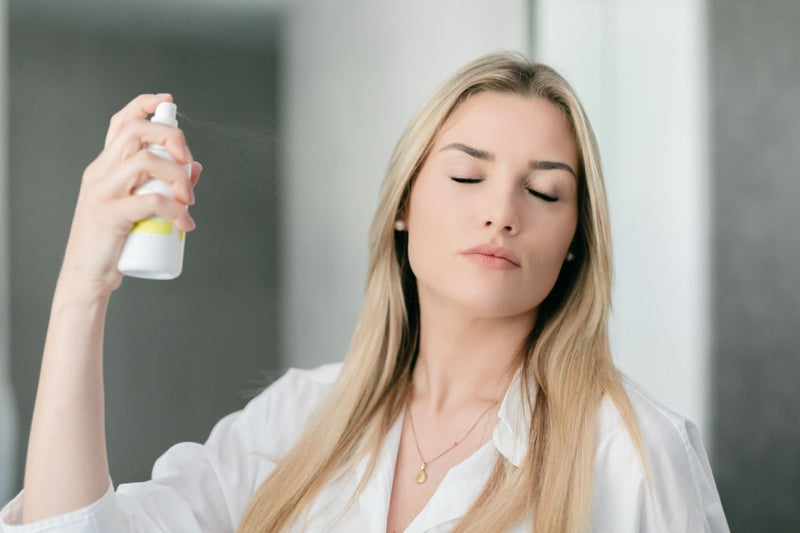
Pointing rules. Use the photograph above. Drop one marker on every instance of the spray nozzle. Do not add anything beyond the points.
(165, 114)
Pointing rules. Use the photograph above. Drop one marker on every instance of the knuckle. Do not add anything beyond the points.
(127, 128)
(117, 120)
(130, 136)
(146, 158)
(140, 177)
(90, 170)
(157, 165)
(155, 201)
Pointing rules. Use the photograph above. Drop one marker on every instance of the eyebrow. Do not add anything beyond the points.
(488, 156)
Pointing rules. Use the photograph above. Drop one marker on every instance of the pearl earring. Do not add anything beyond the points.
(399, 225)
(570, 256)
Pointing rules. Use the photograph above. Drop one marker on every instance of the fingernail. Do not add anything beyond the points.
(200, 165)
(163, 95)
(187, 154)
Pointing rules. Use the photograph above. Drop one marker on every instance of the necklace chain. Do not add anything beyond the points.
(422, 475)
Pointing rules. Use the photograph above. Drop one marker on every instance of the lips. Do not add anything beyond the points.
(493, 250)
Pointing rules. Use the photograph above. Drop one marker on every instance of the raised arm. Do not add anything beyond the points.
(67, 464)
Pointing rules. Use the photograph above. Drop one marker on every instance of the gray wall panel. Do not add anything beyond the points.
(755, 73)
(178, 354)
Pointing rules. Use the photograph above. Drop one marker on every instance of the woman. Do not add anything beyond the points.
(478, 393)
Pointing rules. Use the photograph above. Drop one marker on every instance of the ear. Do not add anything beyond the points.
(401, 218)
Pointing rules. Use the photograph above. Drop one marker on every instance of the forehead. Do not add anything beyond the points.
(511, 125)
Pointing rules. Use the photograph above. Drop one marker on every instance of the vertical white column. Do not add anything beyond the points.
(640, 69)
(356, 71)
(8, 416)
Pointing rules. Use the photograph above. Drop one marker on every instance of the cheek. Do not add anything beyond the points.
(436, 230)
(430, 228)
(546, 254)
(541, 274)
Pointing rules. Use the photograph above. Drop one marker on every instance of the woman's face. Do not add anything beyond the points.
(502, 173)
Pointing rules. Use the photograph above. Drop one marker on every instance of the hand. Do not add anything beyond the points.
(106, 209)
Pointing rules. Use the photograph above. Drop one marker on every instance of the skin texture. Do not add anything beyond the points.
(474, 317)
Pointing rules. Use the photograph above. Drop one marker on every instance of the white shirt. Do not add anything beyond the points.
(206, 487)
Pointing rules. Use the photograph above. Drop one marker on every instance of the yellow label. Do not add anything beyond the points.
(158, 227)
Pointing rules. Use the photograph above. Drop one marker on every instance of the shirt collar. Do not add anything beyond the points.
(463, 483)
(510, 435)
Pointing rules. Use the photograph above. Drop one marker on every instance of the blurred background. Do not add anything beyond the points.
(294, 107)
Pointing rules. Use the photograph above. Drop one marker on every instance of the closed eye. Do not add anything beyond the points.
(544, 197)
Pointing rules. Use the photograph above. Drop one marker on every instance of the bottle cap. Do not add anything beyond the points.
(165, 114)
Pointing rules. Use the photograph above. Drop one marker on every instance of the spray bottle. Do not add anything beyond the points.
(154, 248)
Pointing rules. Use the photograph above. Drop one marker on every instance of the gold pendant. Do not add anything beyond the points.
(421, 475)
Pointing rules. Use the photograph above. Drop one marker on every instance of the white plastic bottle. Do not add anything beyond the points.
(154, 248)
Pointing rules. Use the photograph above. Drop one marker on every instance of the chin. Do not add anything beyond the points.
(475, 297)
(482, 303)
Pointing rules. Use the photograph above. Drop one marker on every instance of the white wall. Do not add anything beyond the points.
(8, 419)
(356, 72)
(639, 68)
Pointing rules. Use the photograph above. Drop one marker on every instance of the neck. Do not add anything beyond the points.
(465, 360)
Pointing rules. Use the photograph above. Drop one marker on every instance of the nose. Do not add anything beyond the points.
(502, 213)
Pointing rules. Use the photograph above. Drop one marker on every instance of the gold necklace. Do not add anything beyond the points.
(422, 475)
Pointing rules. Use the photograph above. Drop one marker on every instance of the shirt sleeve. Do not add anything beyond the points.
(184, 494)
(99, 516)
(196, 487)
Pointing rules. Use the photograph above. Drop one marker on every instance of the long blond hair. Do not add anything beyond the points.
(566, 365)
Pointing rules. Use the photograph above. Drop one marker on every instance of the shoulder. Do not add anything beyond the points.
(215, 480)
(272, 421)
(295, 395)
(663, 431)
(321, 376)
(682, 488)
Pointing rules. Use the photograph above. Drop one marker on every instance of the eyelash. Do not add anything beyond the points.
(544, 197)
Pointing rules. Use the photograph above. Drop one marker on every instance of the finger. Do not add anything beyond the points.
(139, 169)
(137, 134)
(132, 209)
(138, 108)
(197, 168)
